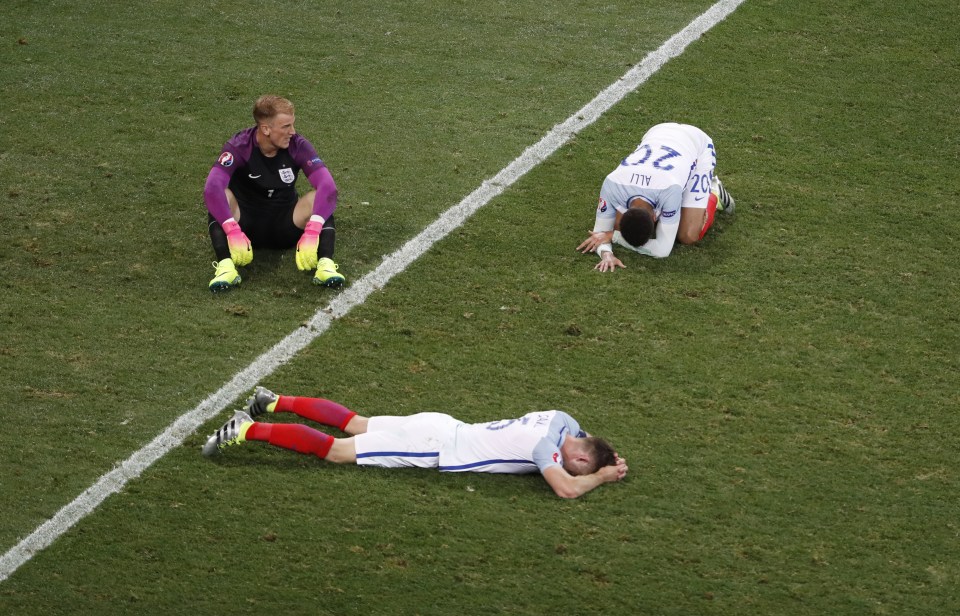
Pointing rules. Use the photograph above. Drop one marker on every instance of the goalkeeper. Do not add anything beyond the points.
(252, 200)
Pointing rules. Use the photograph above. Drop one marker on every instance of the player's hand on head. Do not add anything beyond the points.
(618, 470)
(241, 251)
(621, 468)
(614, 472)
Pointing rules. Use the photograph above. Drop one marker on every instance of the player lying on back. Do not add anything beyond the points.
(549, 442)
(662, 193)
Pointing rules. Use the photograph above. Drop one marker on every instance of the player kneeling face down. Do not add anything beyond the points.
(252, 200)
(664, 192)
(549, 442)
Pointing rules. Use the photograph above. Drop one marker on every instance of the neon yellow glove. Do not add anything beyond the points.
(240, 249)
(307, 246)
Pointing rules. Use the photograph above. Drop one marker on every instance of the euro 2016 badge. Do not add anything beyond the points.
(226, 159)
(287, 175)
(602, 205)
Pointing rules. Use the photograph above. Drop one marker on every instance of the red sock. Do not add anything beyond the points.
(320, 410)
(295, 437)
(711, 213)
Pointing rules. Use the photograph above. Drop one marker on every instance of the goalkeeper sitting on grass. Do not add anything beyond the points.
(252, 201)
(549, 442)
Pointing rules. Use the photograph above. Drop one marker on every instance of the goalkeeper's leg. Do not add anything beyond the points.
(328, 238)
(226, 275)
(218, 238)
(327, 274)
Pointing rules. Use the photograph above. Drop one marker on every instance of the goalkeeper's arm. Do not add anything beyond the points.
(215, 198)
(324, 204)
(215, 195)
(325, 201)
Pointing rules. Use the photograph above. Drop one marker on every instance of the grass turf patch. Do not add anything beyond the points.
(784, 391)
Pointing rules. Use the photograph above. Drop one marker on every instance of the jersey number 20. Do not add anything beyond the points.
(643, 153)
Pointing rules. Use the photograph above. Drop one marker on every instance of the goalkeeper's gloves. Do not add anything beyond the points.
(240, 249)
(307, 246)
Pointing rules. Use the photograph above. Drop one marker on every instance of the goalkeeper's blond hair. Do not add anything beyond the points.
(270, 106)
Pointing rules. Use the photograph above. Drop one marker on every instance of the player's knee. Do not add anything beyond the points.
(687, 236)
(343, 451)
(356, 425)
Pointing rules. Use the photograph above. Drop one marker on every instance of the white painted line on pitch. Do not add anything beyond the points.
(357, 293)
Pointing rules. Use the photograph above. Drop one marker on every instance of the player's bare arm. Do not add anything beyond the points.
(566, 485)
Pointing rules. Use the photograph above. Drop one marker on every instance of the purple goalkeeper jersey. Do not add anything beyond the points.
(261, 181)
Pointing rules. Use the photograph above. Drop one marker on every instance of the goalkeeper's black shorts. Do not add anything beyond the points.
(272, 226)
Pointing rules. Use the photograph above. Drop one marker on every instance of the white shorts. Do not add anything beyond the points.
(414, 440)
(696, 194)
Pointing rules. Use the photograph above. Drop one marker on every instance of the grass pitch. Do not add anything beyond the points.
(785, 392)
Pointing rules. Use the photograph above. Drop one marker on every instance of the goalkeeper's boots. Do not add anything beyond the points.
(226, 276)
(231, 433)
(262, 401)
(327, 275)
(725, 202)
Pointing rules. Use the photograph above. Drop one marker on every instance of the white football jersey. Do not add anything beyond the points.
(524, 445)
(671, 168)
(657, 171)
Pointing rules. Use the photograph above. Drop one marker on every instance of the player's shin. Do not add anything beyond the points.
(711, 213)
(320, 410)
(218, 239)
(295, 437)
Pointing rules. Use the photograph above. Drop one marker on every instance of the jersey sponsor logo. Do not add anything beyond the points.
(226, 159)
(252, 177)
(287, 175)
(602, 205)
